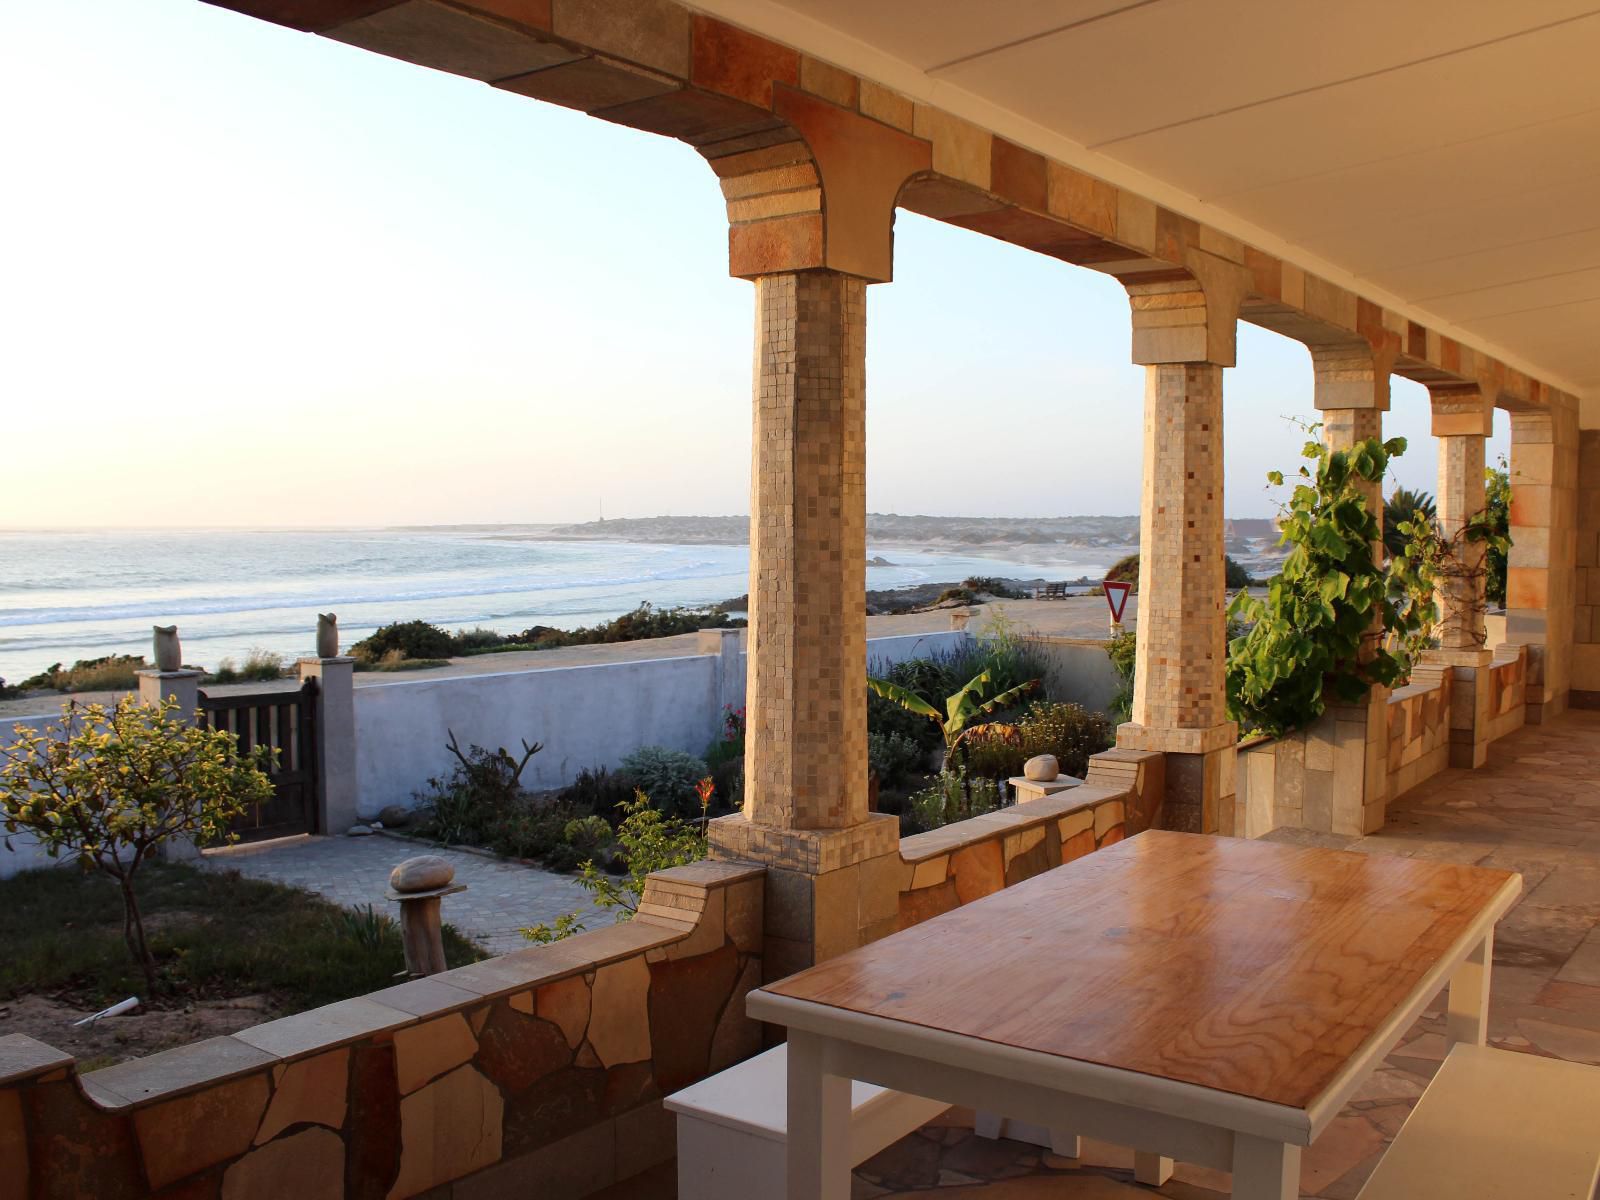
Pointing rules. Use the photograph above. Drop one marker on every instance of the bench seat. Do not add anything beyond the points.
(733, 1128)
(1497, 1125)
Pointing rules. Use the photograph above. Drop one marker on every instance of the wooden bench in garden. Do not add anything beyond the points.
(1494, 1125)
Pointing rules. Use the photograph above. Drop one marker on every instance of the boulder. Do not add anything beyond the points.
(359, 831)
(421, 874)
(1041, 768)
(395, 816)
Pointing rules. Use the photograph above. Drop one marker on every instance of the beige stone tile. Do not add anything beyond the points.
(448, 1129)
(427, 1050)
(309, 1091)
(308, 1165)
(619, 1029)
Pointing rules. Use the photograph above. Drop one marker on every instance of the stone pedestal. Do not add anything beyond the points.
(336, 739)
(1469, 701)
(1025, 789)
(157, 687)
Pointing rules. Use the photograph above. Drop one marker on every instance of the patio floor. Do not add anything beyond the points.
(1535, 808)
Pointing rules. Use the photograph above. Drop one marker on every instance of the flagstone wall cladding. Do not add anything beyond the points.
(945, 868)
(538, 1072)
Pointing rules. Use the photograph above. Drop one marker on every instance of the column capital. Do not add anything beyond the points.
(823, 200)
(1462, 409)
(1193, 318)
(1354, 374)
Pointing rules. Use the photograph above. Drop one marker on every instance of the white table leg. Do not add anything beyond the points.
(819, 1125)
(1265, 1170)
(993, 1125)
(1153, 1169)
(1467, 1012)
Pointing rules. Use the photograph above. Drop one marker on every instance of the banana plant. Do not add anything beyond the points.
(962, 710)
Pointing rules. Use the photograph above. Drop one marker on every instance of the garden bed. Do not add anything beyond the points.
(232, 952)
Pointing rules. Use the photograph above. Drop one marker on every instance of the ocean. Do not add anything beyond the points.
(73, 595)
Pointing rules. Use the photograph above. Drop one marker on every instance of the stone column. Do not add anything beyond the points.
(831, 882)
(336, 739)
(1183, 334)
(157, 687)
(1541, 581)
(1463, 418)
(1349, 744)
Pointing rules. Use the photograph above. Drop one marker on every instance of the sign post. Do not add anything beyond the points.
(1117, 602)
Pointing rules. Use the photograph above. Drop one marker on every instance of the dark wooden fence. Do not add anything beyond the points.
(287, 722)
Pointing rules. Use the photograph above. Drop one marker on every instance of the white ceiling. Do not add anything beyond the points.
(1441, 155)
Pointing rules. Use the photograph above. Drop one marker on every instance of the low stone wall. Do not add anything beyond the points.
(946, 868)
(540, 1072)
(1419, 732)
(1507, 703)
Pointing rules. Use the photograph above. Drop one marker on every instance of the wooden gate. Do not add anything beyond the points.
(287, 722)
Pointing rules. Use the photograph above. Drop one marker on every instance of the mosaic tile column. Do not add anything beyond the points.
(1352, 394)
(1462, 421)
(1178, 698)
(1542, 597)
(805, 808)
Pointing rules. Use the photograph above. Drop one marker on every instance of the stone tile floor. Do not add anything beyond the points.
(501, 897)
(1534, 808)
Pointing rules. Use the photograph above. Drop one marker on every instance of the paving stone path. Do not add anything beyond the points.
(500, 899)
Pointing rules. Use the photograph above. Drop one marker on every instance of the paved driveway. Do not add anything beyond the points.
(500, 899)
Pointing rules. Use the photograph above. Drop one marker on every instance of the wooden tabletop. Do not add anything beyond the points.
(1250, 967)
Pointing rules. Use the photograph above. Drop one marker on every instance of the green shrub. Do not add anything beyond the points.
(258, 664)
(588, 835)
(1123, 652)
(959, 595)
(1497, 511)
(111, 673)
(468, 641)
(668, 777)
(993, 586)
(413, 639)
(650, 841)
(893, 756)
(1124, 570)
(597, 792)
(954, 796)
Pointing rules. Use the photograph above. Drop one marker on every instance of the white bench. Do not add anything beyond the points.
(1497, 1125)
(733, 1128)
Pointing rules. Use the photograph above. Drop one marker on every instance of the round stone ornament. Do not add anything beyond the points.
(423, 873)
(1041, 768)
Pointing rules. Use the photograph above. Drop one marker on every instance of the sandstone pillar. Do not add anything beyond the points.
(336, 739)
(830, 882)
(1183, 334)
(156, 688)
(1352, 394)
(1541, 580)
(1585, 677)
(1463, 418)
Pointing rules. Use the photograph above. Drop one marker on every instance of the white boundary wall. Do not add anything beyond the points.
(589, 716)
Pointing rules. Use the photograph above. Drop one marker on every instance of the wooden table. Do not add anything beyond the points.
(1208, 999)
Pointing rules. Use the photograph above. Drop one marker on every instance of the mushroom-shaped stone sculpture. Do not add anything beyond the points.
(417, 885)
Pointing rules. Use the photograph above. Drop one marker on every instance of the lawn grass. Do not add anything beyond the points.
(215, 935)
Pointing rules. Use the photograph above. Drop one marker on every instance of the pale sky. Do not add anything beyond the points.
(250, 276)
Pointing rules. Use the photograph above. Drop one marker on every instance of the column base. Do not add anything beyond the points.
(1132, 736)
(1469, 703)
(828, 890)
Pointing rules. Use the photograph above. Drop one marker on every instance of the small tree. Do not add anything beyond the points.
(1497, 513)
(110, 786)
(962, 709)
(651, 841)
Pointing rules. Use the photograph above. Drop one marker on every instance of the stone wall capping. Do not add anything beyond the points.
(520, 970)
(22, 1057)
(323, 1028)
(179, 1071)
(709, 873)
(430, 997)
